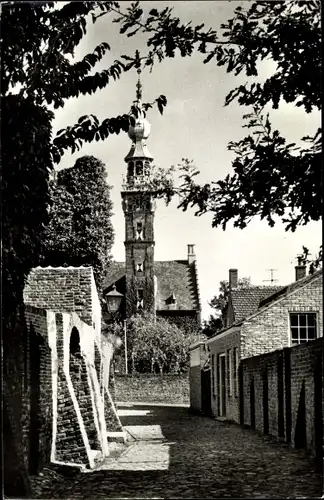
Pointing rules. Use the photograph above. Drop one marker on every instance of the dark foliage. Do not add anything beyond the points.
(219, 303)
(270, 177)
(80, 231)
(24, 176)
(37, 42)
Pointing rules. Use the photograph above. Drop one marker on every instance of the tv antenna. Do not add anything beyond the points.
(272, 279)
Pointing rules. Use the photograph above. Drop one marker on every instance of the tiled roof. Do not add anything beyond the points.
(245, 301)
(287, 290)
(115, 273)
(177, 277)
(173, 277)
(250, 298)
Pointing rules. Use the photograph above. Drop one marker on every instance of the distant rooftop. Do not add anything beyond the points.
(245, 301)
(176, 280)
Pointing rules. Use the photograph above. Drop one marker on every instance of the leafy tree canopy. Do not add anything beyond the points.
(38, 41)
(312, 263)
(270, 177)
(38, 70)
(155, 344)
(80, 231)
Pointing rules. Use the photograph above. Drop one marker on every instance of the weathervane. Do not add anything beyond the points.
(272, 279)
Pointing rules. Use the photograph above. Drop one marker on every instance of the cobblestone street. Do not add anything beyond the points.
(172, 454)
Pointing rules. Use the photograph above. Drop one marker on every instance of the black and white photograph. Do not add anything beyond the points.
(162, 269)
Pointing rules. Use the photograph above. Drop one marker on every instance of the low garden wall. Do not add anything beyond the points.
(152, 388)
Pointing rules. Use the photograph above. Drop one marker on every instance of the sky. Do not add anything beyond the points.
(197, 126)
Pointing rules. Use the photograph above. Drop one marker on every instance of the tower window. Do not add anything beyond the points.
(139, 231)
(171, 299)
(139, 168)
(140, 298)
(131, 169)
(138, 204)
(139, 267)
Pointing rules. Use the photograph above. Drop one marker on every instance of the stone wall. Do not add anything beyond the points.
(282, 395)
(151, 388)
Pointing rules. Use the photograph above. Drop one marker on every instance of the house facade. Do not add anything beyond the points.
(165, 288)
(287, 317)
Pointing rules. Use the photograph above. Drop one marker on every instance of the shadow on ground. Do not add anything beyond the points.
(174, 454)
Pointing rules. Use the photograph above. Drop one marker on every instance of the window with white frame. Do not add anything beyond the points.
(230, 373)
(302, 327)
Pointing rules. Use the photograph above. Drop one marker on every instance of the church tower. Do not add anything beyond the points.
(139, 207)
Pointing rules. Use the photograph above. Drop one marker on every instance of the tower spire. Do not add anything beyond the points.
(139, 86)
(138, 133)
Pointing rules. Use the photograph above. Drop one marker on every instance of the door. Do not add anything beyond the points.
(252, 404)
(205, 392)
(222, 386)
(280, 389)
(265, 397)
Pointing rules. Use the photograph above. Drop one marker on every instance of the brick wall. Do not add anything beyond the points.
(70, 446)
(291, 379)
(16, 410)
(150, 388)
(264, 332)
(27, 400)
(67, 289)
(256, 371)
(307, 368)
(65, 415)
(81, 386)
(269, 330)
(40, 377)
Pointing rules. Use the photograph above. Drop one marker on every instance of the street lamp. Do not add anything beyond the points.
(113, 301)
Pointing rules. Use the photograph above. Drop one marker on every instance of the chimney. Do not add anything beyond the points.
(300, 269)
(191, 254)
(233, 278)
